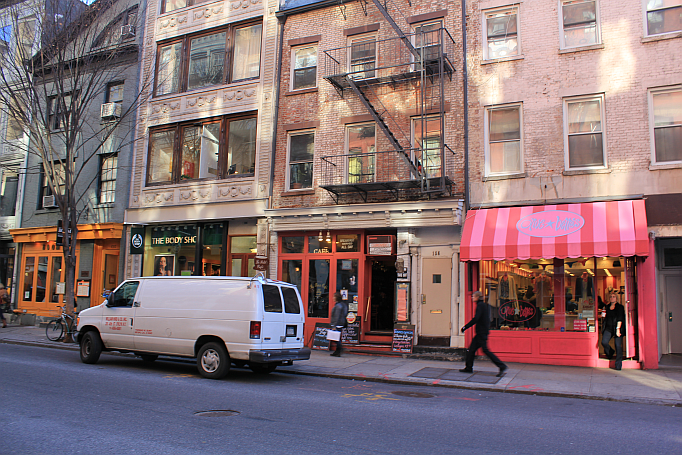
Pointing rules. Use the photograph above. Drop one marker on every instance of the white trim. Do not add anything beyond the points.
(292, 65)
(650, 101)
(347, 147)
(602, 122)
(645, 20)
(486, 139)
(287, 183)
(511, 8)
(562, 44)
(363, 37)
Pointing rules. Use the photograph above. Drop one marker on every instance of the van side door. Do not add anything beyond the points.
(272, 327)
(118, 317)
(293, 318)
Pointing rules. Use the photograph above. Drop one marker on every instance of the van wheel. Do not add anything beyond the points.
(91, 347)
(213, 361)
(263, 368)
(148, 357)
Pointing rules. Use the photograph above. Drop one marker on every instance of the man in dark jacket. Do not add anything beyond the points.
(482, 321)
(338, 322)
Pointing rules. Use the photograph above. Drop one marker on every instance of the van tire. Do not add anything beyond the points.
(213, 361)
(263, 368)
(90, 347)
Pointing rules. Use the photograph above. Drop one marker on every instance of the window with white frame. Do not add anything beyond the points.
(361, 146)
(427, 144)
(503, 139)
(584, 132)
(304, 67)
(301, 153)
(666, 107)
(501, 33)
(580, 23)
(107, 178)
(362, 56)
(663, 16)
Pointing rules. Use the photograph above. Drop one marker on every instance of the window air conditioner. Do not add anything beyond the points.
(110, 110)
(127, 31)
(49, 202)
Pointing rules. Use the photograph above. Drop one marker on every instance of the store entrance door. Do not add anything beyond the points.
(383, 296)
(672, 291)
(435, 308)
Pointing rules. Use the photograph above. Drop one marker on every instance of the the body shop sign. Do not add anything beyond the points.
(551, 223)
(176, 235)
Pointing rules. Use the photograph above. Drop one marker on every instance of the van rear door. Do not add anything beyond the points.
(272, 327)
(293, 317)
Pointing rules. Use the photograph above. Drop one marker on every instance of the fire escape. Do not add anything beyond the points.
(408, 73)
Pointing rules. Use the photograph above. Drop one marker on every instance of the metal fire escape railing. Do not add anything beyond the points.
(419, 58)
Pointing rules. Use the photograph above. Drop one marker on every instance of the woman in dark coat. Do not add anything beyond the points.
(614, 327)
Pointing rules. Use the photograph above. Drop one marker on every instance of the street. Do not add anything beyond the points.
(54, 403)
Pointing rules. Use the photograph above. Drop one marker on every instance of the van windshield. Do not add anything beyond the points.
(272, 301)
(291, 304)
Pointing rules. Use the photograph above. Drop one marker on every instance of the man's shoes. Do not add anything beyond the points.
(335, 354)
(503, 368)
(466, 370)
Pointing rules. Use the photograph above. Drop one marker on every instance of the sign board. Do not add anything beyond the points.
(320, 340)
(402, 302)
(351, 334)
(174, 235)
(580, 324)
(83, 289)
(403, 338)
(60, 287)
(380, 245)
(60, 233)
(261, 264)
(550, 223)
(137, 240)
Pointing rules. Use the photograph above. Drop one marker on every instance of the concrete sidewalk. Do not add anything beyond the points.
(662, 386)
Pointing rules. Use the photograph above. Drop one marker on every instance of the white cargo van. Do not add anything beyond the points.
(217, 320)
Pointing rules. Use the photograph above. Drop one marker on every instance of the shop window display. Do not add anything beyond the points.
(170, 250)
(549, 294)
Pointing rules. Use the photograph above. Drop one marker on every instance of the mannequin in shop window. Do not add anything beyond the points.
(584, 287)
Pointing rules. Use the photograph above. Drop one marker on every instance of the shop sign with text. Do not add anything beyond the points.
(550, 223)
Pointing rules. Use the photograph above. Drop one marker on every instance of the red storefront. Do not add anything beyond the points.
(547, 270)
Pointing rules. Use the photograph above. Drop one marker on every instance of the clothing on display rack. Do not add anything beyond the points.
(584, 287)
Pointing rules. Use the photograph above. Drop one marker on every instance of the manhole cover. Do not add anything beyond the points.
(218, 413)
(413, 394)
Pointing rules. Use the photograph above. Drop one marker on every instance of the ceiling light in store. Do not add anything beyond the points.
(608, 272)
(319, 237)
(329, 237)
(590, 272)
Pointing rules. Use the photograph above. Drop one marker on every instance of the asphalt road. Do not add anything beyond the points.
(52, 403)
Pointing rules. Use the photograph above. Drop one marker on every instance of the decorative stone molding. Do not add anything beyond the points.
(194, 195)
(208, 12)
(158, 198)
(172, 21)
(165, 107)
(201, 100)
(243, 4)
(234, 191)
(239, 94)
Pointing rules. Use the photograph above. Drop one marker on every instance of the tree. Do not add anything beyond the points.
(57, 67)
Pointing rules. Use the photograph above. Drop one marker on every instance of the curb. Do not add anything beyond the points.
(74, 347)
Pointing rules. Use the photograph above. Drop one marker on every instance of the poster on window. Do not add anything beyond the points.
(164, 265)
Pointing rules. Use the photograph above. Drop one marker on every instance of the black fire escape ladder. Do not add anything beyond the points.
(398, 31)
(384, 128)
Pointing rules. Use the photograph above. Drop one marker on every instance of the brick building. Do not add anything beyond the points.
(576, 108)
(369, 165)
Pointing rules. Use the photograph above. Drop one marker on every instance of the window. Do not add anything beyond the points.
(301, 152)
(272, 300)
(171, 5)
(15, 121)
(580, 24)
(8, 192)
(667, 125)
(114, 32)
(206, 60)
(584, 141)
(427, 39)
(58, 111)
(503, 140)
(501, 28)
(361, 143)
(363, 55)
(25, 36)
(114, 93)
(305, 67)
(125, 295)
(663, 16)
(428, 146)
(107, 178)
(199, 152)
(60, 180)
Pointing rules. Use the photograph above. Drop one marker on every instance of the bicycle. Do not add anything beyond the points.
(65, 323)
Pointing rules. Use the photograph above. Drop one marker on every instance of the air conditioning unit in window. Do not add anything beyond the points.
(127, 31)
(49, 202)
(110, 111)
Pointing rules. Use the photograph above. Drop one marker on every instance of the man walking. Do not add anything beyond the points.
(482, 321)
(338, 322)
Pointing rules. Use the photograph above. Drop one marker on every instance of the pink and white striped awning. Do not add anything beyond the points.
(615, 228)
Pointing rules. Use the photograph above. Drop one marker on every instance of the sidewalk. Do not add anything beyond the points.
(662, 386)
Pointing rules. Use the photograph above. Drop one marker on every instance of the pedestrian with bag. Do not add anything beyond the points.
(482, 321)
(614, 327)
(4, 304)
(339, 313)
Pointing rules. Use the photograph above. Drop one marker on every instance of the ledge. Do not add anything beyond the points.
(504, 59)
(301, 192)
(300, 92)
(662, 166)
(570, 50)
(587, 171)
(518, 175)
(664, 36)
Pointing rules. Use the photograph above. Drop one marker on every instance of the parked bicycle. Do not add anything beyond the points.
(65, 324)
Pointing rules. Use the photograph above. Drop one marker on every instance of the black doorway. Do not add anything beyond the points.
(383, 296)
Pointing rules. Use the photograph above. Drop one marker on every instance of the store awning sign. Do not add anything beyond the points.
(550, 223)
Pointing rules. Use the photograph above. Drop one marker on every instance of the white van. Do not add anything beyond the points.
(217, 320)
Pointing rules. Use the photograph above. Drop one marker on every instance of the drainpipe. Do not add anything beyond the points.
(466, 109)
(282, 20)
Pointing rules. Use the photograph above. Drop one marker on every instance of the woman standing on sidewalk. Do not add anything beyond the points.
(614, 327)
(4, 304)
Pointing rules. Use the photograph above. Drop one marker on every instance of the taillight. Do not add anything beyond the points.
(254, 330)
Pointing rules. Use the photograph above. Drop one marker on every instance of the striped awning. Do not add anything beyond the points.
(615, 228)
